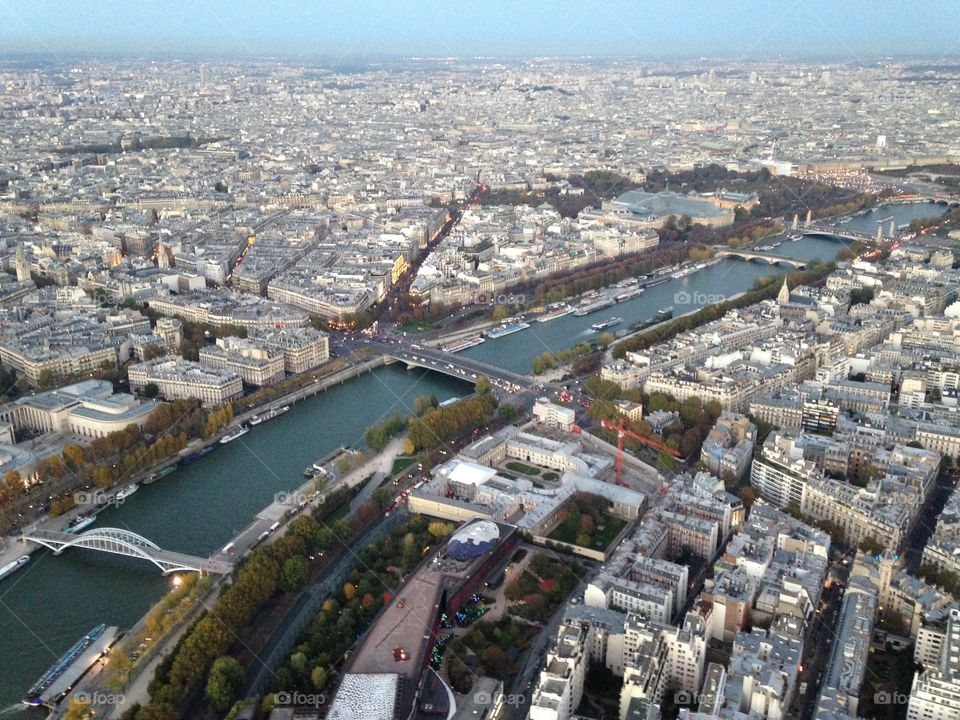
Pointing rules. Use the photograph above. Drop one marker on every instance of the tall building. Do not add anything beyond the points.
(781, 476)
(559, 688)
(170, 331)
(728, 448)
(935, 694)
(303, 348)
(553, 415)
(163, 257)
(256, 364)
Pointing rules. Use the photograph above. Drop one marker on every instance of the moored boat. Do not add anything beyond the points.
(462, 344)
(269, 415)
(80, 523)
(72, 665)
(162, 472)
(126, 491)
(609, 322)
(557, 312)
(594, 307)
(234, 434)
(507, 329)
(12, 567)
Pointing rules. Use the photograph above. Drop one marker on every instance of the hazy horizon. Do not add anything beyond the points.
(389, 30)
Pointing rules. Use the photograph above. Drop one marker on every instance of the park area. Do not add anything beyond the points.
(502, 626)
(585, 521)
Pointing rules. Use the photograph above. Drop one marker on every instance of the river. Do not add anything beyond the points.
(902, 214)
(516, 352)
(51, 603)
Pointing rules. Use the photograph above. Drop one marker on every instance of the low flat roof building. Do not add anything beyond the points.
(89, 409)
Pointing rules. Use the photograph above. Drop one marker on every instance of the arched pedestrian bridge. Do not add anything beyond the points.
(123, 542)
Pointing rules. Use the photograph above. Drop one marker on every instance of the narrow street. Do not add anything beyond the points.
(819, 642)
(926, 520)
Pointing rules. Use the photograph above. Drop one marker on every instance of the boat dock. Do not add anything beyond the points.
(70, 675)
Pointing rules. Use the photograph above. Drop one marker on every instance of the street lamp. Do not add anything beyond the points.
(177, 581)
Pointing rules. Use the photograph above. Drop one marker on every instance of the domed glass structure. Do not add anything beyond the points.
(473, 540)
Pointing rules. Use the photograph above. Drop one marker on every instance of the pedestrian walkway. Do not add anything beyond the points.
(381, 462)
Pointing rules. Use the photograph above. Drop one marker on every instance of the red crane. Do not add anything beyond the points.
(622, 431)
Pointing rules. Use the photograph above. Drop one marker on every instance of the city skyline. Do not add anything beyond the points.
(582, 354)
(747, 30)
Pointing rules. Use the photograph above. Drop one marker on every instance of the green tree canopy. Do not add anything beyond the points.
(225, 678)
(296, 571)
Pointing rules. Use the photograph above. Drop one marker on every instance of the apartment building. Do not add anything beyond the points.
(179, 379)
(553, 415)
(559, 687)
(303, 348)
(935, 693)
(256, 363)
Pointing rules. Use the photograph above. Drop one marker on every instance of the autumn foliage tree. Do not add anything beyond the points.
(441, 424)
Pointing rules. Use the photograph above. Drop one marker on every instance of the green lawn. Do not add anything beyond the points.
(400, 464)
(415, 327)
(522, 468)
(550, 476)
(337, 504)
(602, 537)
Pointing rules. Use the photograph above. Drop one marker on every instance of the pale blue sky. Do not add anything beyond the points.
(751, 29)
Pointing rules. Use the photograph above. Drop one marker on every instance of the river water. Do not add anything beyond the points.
(51, 603)
(516, 352)
(902, 214)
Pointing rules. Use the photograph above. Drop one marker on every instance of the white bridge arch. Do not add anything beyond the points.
(123, 542)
